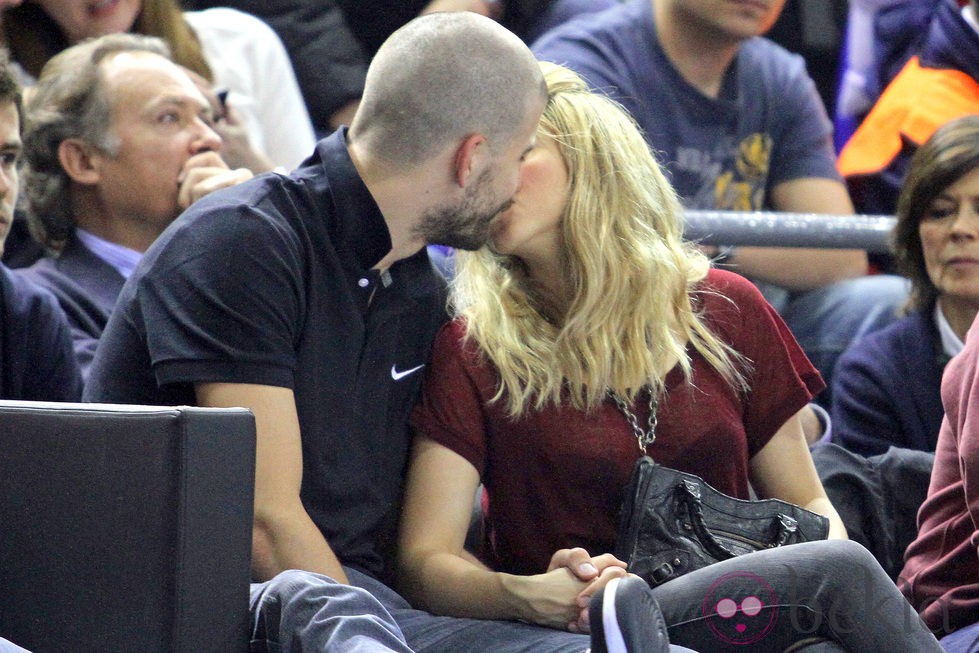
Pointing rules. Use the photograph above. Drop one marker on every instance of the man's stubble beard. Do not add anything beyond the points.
(468, 225)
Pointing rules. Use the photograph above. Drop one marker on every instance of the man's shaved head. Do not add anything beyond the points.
(442, 77)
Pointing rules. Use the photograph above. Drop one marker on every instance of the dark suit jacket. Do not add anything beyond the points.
(86, 287)
(36, 361)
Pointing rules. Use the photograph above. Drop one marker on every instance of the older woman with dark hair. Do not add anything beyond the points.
(886, 386)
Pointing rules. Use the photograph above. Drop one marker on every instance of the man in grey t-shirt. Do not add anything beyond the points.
(739, 125)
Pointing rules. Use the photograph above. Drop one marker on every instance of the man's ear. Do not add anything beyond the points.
(471, 156)
(80, 161)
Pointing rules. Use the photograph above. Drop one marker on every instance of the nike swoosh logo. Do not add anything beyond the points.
(397, 376)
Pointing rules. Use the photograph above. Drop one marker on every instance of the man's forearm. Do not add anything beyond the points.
(798, 268)
(283, 535)
(278, 545)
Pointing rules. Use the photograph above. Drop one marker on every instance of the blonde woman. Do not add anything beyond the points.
(589, 332)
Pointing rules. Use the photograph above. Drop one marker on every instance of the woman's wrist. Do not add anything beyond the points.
(513, 593)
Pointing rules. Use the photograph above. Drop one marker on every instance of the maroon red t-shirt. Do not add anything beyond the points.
(555, 477)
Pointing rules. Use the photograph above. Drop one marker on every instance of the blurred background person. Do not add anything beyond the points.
(939, 83)
(36, 360)
(236, 52)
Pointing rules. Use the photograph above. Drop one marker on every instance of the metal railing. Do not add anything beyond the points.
(776, 229)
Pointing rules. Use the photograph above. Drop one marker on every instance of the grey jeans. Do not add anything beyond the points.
(790, 599)
(307, 612)
(819, 596)
(813, 597)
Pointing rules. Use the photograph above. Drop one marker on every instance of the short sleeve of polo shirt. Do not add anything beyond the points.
(781, 379)
(454, 393)
(225, 299)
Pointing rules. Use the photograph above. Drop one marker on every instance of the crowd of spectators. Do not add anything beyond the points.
(266, 204)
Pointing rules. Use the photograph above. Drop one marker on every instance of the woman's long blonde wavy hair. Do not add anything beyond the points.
(632, 277)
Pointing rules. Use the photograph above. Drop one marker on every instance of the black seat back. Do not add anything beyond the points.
(125, 528)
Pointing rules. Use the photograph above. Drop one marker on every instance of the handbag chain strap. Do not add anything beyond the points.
(643, 437)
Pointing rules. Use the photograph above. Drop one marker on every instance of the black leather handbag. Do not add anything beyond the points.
(673, 523)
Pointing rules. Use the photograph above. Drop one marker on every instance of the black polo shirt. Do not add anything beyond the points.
(269, 282)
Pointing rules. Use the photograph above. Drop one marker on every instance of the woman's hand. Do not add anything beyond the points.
(556, 598)
(582, 564)
(548, 599)
(236, 148)
(595, 571)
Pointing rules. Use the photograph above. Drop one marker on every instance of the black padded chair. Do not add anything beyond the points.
(125, 528)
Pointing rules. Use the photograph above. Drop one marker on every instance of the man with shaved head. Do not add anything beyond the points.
(310, 299)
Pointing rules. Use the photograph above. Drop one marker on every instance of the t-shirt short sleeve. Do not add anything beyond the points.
(802, 133)
(781, 379)
(454, 391)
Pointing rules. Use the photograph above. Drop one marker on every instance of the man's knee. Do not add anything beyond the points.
(295, 587)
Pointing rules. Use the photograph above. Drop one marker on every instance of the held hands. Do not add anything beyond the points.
(596, 572)
(204, 173)
(559, 597)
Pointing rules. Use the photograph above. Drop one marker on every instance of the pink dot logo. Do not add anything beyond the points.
(740, 608)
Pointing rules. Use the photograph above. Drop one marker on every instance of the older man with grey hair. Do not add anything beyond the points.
(119, 140)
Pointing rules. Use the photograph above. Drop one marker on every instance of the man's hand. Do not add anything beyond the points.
(205, 173)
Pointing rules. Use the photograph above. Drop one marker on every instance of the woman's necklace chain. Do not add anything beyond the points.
(643, 437)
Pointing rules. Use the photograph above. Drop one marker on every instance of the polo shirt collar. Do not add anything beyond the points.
(362, 236)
